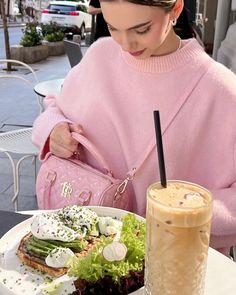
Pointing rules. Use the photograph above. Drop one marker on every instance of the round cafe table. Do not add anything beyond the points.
(50, 86)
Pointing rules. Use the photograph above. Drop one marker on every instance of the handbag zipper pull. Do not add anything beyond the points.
(122, 186)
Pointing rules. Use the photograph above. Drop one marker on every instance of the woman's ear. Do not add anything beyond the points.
(177, 9)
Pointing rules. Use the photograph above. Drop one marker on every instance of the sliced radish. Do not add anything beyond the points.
(116, 251)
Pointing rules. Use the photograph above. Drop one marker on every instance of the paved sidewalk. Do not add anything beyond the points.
(19, 106)
(16, 21)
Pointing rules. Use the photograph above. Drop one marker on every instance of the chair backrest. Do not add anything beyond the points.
(19, 71)
(6, 74)
(73, 52)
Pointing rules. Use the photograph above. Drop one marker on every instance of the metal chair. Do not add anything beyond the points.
(19, 141)
(73, 52)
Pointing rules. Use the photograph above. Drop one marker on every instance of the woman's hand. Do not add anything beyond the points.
(61, 143)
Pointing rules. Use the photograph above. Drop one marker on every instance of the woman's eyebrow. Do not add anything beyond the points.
(134, 27)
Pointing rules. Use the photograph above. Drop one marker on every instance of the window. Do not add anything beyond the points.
(62, 8)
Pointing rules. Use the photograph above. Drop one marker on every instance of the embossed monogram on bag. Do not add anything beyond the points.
(66, 190)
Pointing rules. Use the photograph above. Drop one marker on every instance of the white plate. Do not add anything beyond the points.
(16, 279)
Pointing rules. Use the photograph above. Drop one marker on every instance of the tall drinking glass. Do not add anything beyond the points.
(178, 229)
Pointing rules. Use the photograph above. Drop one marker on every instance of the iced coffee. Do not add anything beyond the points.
(178, 230)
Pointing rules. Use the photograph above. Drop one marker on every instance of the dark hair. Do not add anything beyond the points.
(183, 27)
(167, 5)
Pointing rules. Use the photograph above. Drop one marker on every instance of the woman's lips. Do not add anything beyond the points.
(137, 53)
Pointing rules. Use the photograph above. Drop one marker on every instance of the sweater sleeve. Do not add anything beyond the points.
(55, 104)
(44, 124)
(224, 204)
(224, 212)
(224, 217)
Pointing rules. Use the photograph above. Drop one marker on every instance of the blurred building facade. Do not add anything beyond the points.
(21, 7)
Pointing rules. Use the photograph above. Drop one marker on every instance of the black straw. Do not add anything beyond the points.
(160, 152)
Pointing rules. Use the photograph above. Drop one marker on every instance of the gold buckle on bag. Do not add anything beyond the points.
(84, 198)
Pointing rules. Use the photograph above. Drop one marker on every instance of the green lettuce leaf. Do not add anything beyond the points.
(94, 267)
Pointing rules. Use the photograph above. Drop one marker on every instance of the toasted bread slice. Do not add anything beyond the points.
(36, 262)
(39, 263)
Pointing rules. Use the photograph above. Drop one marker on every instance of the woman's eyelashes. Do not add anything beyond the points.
(143, 31)
(138, 31)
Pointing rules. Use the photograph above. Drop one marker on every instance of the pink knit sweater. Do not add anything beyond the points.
(113, 95)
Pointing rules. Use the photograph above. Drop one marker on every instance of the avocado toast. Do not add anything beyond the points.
(83, 252)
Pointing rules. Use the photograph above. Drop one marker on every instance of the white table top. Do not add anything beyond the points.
(50, 86)
(220, 276)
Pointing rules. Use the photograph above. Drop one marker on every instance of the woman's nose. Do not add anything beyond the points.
(127, 43)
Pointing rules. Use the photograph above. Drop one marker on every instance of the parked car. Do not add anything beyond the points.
(71, 16)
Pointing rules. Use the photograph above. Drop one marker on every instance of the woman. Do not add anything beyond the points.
(112, 93)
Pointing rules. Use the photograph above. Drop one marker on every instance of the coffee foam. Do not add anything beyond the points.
(180, 204)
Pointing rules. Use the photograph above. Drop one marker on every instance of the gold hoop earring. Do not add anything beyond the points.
(174, 22)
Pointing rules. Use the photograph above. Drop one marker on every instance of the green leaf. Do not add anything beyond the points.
(31, 35)
(93, 267)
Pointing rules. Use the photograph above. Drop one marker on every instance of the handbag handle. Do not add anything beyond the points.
(92, 149)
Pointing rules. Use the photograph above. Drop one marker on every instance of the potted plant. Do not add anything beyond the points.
(53, 37)
(31, 49)
(32, 35)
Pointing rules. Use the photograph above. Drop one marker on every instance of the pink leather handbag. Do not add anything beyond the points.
(62, 182)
